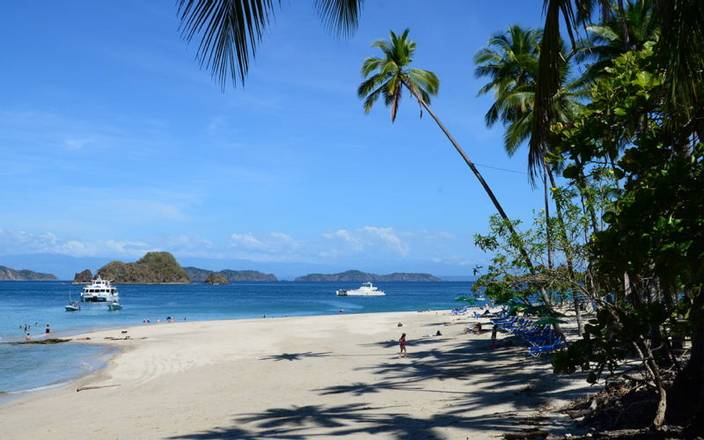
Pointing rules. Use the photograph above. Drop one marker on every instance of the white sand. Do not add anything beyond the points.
(298, 378)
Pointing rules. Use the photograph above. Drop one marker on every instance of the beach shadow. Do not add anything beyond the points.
(294, 356)
(509, 390)
(295, 423)
(221, 433)
(410, 343)
(504, 374)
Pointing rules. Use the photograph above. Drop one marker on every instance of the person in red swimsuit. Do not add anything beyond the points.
(402, 346)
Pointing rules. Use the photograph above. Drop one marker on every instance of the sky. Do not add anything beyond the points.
(114, 142)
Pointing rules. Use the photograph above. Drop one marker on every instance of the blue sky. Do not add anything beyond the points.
(114, 142)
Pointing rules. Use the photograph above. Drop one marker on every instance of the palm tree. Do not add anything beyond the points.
(388, 76)
(679, 54)
(510, 62)
(634, 26)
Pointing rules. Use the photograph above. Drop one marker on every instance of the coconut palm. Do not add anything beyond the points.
(629, 31)
(510, 62)
(389, 75)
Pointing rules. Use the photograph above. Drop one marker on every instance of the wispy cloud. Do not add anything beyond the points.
(369, 237)
(22, 242)
(343, 246)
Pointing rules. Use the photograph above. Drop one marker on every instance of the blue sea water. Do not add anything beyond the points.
(36, 304)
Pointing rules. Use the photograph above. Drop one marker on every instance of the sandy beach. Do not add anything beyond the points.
(298, 378)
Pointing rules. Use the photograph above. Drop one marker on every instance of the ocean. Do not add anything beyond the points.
(36, 304)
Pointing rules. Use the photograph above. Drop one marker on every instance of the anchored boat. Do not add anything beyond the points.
(100, 290)
(367, 289)
(73, 306)
(113, 306)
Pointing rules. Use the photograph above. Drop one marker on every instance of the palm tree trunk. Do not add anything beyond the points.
(489, 192)
(548, 233)
(567, 248)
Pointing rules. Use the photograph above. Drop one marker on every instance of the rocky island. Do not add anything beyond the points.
(152, 268)
(198, 275)
(83, 277)
(9, 274)
(216, 278)
(362, 277)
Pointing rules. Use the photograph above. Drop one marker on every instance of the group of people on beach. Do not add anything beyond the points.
(168, 319)
(27, 330)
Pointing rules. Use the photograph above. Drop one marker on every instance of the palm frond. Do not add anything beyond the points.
(681, 52)
(340, 16)
(230, 31)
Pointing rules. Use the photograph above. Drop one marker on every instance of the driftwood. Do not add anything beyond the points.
(95, 387)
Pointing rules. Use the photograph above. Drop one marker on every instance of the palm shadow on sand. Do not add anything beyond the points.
(294, 356)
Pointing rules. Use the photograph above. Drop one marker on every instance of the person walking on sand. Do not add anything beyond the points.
(402, 346)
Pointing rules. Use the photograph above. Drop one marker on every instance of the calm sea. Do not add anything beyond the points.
(26, 367)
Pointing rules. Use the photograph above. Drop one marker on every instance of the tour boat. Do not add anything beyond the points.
(100, 290)
(367, 289)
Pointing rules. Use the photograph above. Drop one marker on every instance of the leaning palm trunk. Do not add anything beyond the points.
(548, 232)
(489, 192)
(569, 257)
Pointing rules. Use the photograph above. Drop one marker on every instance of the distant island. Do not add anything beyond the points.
(198, 275)
(152, 268)
(361, 277)
(9, 274)
(162, 268)
(216, 278)
(83, 277)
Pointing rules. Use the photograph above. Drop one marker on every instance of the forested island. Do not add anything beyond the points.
(9, 274)
(198, 275)
(362, 277)
(162, 268)
(152, 268)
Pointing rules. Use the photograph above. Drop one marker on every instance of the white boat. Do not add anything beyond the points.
(100, 290)
(73, 306)
(367, 289)
(113, 306)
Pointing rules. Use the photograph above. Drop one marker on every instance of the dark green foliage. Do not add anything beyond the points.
(152, 268)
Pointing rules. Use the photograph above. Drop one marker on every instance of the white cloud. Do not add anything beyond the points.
(247, 241)
(21, 242)
(370, 238)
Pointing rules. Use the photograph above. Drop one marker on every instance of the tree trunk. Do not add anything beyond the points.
(569, 257)
(543, 293)
(548, 233)
(586, 197)
(686, 397)
(624, 26)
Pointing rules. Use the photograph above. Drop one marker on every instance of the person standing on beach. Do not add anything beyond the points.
(48, 330)
(402, 346)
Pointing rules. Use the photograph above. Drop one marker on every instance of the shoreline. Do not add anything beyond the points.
(300, 376)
